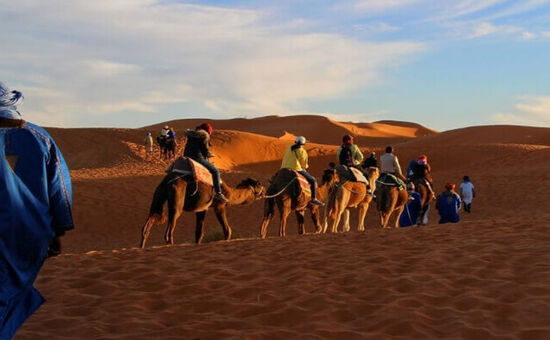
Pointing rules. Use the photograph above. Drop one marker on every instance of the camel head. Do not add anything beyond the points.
(255, 186)
(329, 176)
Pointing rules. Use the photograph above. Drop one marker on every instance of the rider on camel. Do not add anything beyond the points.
(389, 164)
(370, 161)
(295, 158)
(197, 148)
(421, 171)
(349, 154)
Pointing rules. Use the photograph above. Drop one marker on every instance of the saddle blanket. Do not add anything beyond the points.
(304, 184)
(187, 165)
(351, 174)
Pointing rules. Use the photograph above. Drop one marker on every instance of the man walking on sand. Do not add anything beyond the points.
(467, 193)
(35, 210)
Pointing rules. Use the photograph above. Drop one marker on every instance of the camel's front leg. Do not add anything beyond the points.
(222, 218)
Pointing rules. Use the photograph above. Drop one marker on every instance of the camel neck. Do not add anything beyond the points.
(241, 196)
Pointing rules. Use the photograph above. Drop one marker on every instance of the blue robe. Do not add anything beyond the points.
(409, 216)
(35, 206)
(448, 204)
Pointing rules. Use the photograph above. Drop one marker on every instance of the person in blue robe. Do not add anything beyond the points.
(412, 209)
(35, 210)
(448, 205)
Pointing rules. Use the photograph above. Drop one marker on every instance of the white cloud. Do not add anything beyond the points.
(382, 5)
(519, 8)
(531, 110)
(546, 34)
(528, 35)
(119, 55)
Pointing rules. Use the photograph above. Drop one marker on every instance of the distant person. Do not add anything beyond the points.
(467, 193)
(348, 153)
(171, 134)
(412, 210)
(370, 161)
(35, 210)
(164, 131)
(198, 149)
(410, 167)
(295, 158)
(421, 172)
(448, 204)
(148, 143)
(389, 164)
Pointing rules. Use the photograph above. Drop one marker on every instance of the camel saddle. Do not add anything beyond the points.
(187, 166)
(391, 180)
(351, 174)
(303, 185)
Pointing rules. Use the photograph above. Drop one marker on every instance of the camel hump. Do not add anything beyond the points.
(285, 176)
(351, 174)
(186, 165)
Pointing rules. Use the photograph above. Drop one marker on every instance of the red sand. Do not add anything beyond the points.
(486, 277)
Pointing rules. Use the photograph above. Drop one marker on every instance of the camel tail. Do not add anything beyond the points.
(157, 212)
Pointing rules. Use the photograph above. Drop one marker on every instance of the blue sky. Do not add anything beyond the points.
(129, 63)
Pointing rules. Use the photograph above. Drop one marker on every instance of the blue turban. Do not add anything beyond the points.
(8, 102)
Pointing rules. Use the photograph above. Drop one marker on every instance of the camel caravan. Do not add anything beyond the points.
(193, 184)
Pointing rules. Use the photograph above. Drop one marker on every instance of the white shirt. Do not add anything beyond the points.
(467, 191)
(389, 164)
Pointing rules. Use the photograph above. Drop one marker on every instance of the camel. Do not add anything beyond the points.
(183, 194)
(280, 192)
(426, 197)
(346, 194)
(390, 199)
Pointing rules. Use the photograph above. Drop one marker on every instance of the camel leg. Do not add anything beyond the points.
(199, 228)
(398, 212)
(176, 198)
(222, 218)
(315, 217)
(301, 225)
(284, 211)
(146, 231)
(324, 224)
(336, 221)
(269, 211)
(362, 213)
(346, 220)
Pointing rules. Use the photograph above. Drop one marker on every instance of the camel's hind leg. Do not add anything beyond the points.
(147, 230)
(362, 213)
(176, 198)
(346, 214)
(301, 224)
(269, 211)
(199, 228)
(284, 211)
(398, 212)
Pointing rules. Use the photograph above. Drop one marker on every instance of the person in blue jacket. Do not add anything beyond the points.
(448, 204)
(410, 214)
(35, 210)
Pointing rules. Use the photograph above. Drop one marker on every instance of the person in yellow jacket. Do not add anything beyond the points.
(295, 158)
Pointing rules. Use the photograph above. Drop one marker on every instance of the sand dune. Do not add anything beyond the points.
(486, 277)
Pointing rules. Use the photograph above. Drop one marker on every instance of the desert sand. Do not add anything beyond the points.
(485, 277)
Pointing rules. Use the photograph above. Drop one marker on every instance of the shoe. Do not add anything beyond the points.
(317, 202)
(220, 197)
(369, 192)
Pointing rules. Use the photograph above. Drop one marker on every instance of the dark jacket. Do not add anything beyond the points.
(197, 145)
(421, 171)
(370, 161)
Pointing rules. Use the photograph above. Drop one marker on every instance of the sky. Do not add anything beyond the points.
(130, 63)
